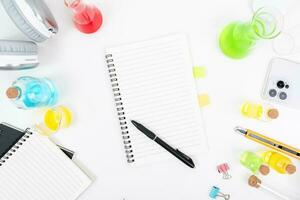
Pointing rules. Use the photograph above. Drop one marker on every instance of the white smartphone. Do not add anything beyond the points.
(282, 83)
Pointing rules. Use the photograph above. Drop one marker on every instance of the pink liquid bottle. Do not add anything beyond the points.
(86, 17)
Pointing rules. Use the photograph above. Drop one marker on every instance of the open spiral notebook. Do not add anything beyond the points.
(152, 82)
(34, 168)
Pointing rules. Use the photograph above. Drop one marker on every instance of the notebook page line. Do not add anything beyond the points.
(75, 176)
(18, 166)
(176, 141)
(137, 47)
(191, 148)
(144, 55)
(40, 173)
(59, 160)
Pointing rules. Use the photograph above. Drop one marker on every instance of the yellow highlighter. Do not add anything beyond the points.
(269, 142)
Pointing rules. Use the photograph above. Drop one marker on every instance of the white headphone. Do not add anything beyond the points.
(36, 21)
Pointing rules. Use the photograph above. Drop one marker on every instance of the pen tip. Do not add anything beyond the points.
(133, 122)
(240, 130)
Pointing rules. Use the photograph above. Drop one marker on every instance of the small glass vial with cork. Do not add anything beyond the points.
(279, 162)
(254, 163)
(29, 92)
(259, 111)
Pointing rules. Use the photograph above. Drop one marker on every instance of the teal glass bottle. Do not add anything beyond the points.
(29, 92)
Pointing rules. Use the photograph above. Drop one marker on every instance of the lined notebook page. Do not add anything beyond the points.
(38, 170)
(158, 90)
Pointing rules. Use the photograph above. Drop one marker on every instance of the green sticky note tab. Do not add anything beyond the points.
(199, 72)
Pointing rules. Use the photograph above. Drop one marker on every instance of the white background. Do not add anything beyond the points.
(75, 62)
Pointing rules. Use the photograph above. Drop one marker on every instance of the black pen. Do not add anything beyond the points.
(175, 152)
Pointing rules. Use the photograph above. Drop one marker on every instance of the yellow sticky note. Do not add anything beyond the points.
(199, 72)
(203, 100)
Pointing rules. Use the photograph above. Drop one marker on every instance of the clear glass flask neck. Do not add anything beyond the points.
(267, 23)
(76, 5)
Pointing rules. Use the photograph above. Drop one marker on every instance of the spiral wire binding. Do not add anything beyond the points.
(17, 145)
(120, 108)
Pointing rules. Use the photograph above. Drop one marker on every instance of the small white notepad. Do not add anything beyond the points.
(153, 83)
(39, 170)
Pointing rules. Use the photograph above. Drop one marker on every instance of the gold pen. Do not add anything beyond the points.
(269, 142)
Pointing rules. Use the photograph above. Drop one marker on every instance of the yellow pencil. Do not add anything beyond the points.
(269, 142)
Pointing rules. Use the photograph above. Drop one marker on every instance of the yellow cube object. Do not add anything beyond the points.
(204, 100)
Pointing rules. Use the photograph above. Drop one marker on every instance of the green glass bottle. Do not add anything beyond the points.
(253, 162)
(238, 38)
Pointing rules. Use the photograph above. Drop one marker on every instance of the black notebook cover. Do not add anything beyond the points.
(8, 138)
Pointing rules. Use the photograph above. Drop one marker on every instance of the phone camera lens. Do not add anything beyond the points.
(287, 86)
(272, 93)
(282, 95)
(280, 84)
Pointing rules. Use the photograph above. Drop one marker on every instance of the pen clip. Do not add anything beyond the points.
(184, 155)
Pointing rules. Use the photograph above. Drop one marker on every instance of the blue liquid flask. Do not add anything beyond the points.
(29, 92)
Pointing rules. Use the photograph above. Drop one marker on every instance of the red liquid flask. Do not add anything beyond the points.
(86, 17)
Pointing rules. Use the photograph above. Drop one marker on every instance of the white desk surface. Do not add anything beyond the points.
(75, 62)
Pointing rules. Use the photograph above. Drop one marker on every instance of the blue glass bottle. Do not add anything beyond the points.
(29, 92)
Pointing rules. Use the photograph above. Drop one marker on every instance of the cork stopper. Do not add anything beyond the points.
(12, 92)
(253, 181)
(290, 169)
(264, 170)
(273, 113)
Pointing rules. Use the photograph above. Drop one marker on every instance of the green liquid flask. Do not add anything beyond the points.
(238, 38)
